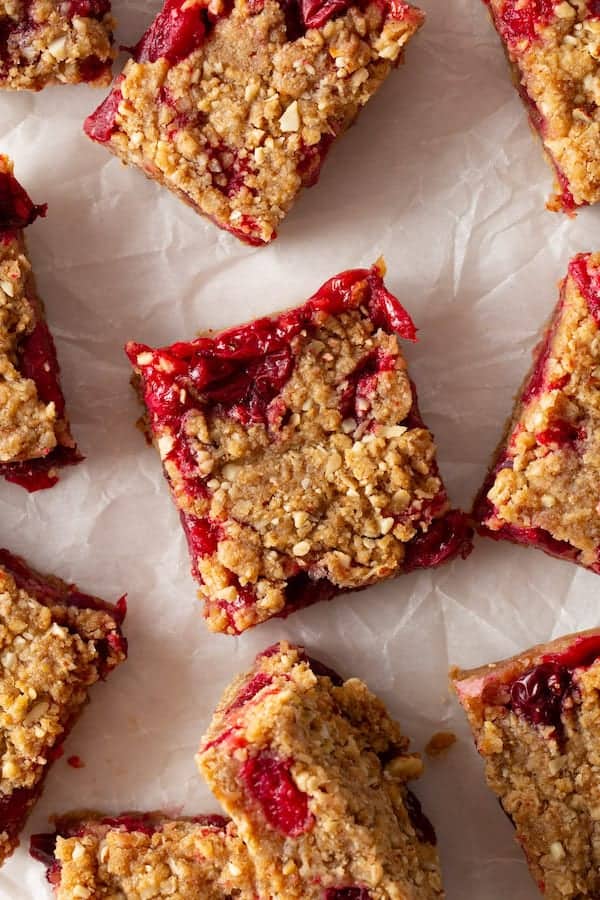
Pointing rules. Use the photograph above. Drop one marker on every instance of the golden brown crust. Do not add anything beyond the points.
(547, 778)
(161, 857)
(558, 70)
(236, 128)
(345, 759)
(57, 49)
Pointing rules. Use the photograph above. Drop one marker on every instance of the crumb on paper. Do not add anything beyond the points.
(440, 742)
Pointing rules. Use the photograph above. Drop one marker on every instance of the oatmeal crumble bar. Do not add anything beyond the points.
(46, 42)
(536, 723)
(314, 773)
(55, 642)
(138, 856)
(296, 454)
(544, 486)
(554, 50)
(35, 439)
(234, 105)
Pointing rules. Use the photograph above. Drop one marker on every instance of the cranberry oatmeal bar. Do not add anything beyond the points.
(314, 774)
(46, 42)
(553, 47)
(234, 105)
(544, 487)
(55, 642)
(35, 439)
(536, 722)
(296, 454)
(145, 855)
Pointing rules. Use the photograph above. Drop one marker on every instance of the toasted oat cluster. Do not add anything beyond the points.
(314, 773)
(554, 49)
(55, 642)
(543, 488)
(296, 454)
(234, 105)
(35, 439)
(46, 42)
(536, 723)
(141, 856)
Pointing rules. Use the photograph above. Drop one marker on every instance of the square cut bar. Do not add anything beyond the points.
(543, 488)
(536, 723)
(234, 104)
(35, 439)
(314, 773)
(55, 642)
(553, 47)
(145, 855)
(46, 42)
(296, 454)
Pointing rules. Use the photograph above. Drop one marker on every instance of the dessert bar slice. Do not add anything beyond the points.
(544, 486)
(313, 772)
(46, 42)
(554, 49)
(296, 454)
(148, 855)
(55, 642)
(35, 439)
(234, 105)
(535, 719)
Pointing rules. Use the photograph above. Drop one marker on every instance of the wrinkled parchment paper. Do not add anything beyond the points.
(443, 177)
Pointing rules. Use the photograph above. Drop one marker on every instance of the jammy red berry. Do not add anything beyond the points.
(543, 488)
(296, 453)
(535, 719)
(314, 773)
(46, 42)
(55, 643)
(35, 438)
(234, 106)
(552, 49)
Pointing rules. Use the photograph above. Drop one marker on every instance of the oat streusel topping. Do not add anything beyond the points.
(49, 657)
(44, 42)
(548, 780)
(313, 772)
(28, 427)
(557, 63)
(178, 859)
(239, 125)
(553, 442)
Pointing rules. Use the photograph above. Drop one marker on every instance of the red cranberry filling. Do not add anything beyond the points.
(347, 893)
(538, 695)
(316, 12)
(423, 828)
(92, 67)
(89, 9)
(360, 385)
(177, 31)
(101, 125)
(16, 207)
(40, 474)
(588, 282)
(283, 805)
(445, 538)
(593, 9)
(250, 690)
(560, 434)
(518, 21)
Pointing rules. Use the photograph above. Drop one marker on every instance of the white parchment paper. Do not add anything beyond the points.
(443, 177)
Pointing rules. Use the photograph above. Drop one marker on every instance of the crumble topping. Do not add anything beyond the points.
(55, 41)
(544, 768)
(241, 122)
(153, 858)
(313, 772)
(51, 652)
(555, 50)
(547, 475)
(27, 425)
